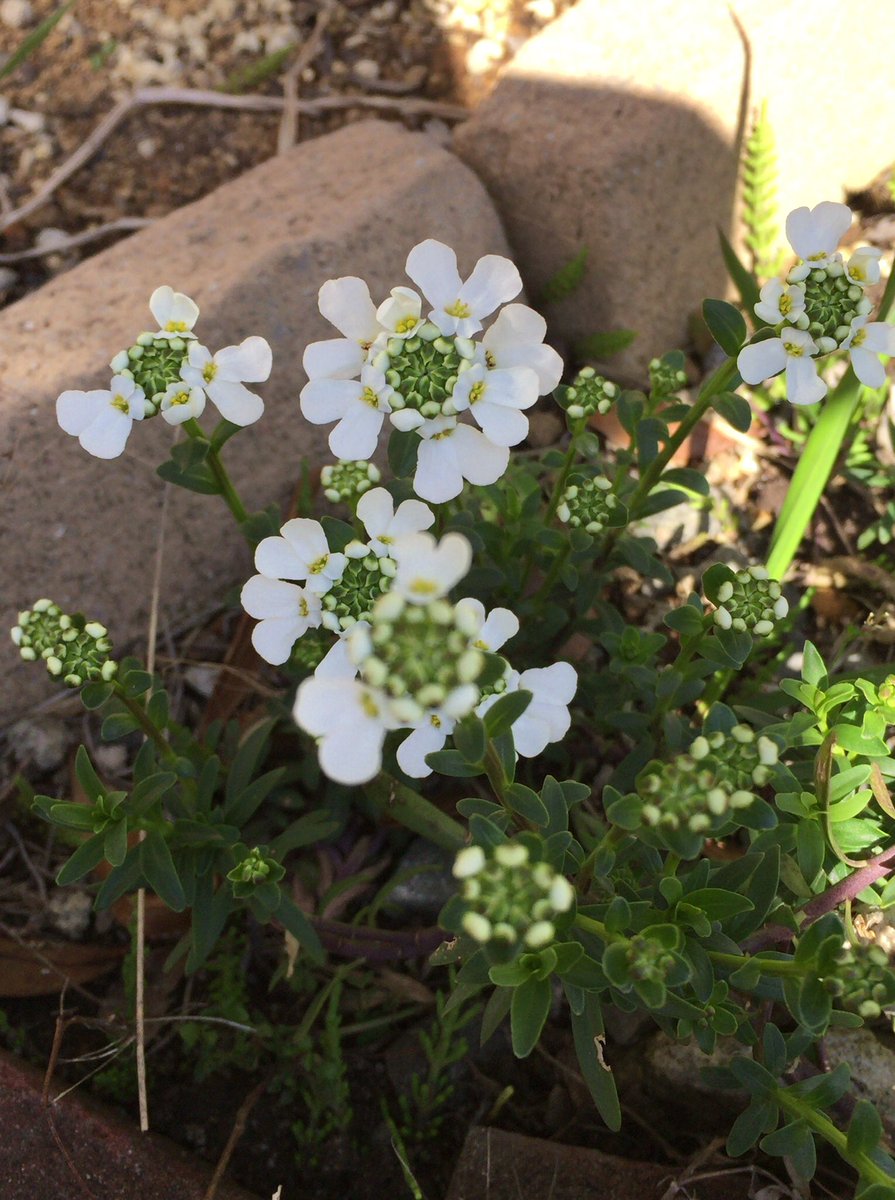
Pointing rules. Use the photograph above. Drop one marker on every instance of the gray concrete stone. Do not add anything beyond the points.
(253, 254)
(618, 128)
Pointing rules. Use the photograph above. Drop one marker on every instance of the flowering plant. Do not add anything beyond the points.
(634, 820)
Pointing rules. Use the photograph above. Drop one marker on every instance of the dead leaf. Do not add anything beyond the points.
(41, 967)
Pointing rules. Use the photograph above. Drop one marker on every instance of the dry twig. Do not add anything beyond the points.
(84, 238)
(287, 134)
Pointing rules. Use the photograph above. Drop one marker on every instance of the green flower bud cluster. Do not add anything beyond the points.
(750, 603)
(647, 960)
(345, 482)
(589, 393)
(310, 649)
(421, 655)
(423, 370)
(832, 301)
(257, 867)
(667, 374)
(154, 363)
(864, 982)
(589, 504)
(510, 899)
(74, 649)
(352, 596)
(700, 789)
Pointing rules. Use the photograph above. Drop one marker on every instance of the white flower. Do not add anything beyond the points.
(301, 552)
(376, 509)
(793, 350)
(351, 720)
(515, 340)
(223, 377)
(176, 313)
(780, 302)
(401, 313)
(337, 663)
(864, 344)
(495, 399)
(427, 570)
(815, 234)
(459, 306)
(102, 420)
(429, 736)
(358, 407)
(491, 632)
(346, 304)
(547, 717)
(451, 452)
(863, 266)
(284, 613)
(181, 403)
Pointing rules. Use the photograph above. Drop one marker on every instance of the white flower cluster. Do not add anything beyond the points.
(412, 660)
(166, 371)
(424, 372)
(818, 308)
(510, 898)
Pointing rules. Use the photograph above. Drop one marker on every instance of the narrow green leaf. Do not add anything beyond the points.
(726, 325)
(298, 924)
(469, 739)
(500, 716)
(528, 1012)
(527, 803)
(85, 858)
(749, 1126)
(34, 39)
(744, 281)
(735, 410)
(604, 345)
(87, 776)
(161, 874)
(597, 1073)
(865, 1129)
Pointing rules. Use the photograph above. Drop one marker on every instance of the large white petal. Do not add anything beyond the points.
(274, 637)
(480, 460)
(500, 626)
(249, 362)
(761, 361)
(803, 384)
(376, 509)
(325, 400)
(867, 367)
(346, 304)
(493, 281)
(502, 426)
(264, 597)
(428, 569)
(76, 410)
(106, 436)
(172, 308)
(336, 663)
(515, 340)
(437, 478)
(425, 739)
(357, 434)
(306, 537)
(817, 232)
(433, 268)
(556, 684)
(352, 754)
(879, 337)
(336, 358)
(412, 516)
(277, 559)
(235, 402)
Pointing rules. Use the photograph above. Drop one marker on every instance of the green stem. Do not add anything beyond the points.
(610, 839)
(141, 716)
(393, 799)
(793, 1106)
(222, 478)
(716, 383)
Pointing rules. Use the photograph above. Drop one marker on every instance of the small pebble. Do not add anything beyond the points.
(147, 147)
(43, 741)
(366, 68)
(69, 912)
(30, 122)
(16, 14)
(4, 110)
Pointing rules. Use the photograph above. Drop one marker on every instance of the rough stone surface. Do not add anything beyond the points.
(871, 1059)
(508, 1166)
(618, 129)
(253, 254)
(613, 129)
(115, 1161)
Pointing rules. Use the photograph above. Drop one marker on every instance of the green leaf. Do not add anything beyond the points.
(604, 345)
(87, 776)
(495, 1012)
(402, 452)
(120, 879)
(810, 848)
(34, 39)
(527, 803)
(240, 810)
(528, 1012)
(587, 1035)
(95, 695)
(744, 281)
(115, 843)
(161, 874)
(865, 1129)
(753, 1076)
(452, 763)
(312, 827)
(719, 904)
(87, 856)
(749, 1126)
(795, 1142)
(500, 716)
(726, 325)
(200, 479)
(209, 916)
(150, 789)
(775, 1056)
(735, 410)
(469, 739)
(687, 620)
(298, 924)
(117, 725)
(566, 280)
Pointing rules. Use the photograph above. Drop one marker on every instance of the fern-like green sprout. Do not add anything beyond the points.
(760, 212)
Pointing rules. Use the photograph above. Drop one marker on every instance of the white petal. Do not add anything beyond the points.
(425, 739)
(437, 478)
(198, 357)
(264, 597)
(411, 517)
(274, 638)
(336, 358)
(803, 384)
(500, 626)
(762, 360)
(106, 436)
(514, 340)
(376, 510)
(502, 426)
(173, 309)
(307, 538)
(493, 281)
(879, 337)
(867, 367)
(325, 400)
(433, 268)
(480, 460)
(336, 663)
(428, 569)
(818, 232)
(249, 362)
(403, 307)
(235, 402)
(473, 613)
(353, 755)
(357, 434)
(277, 559)
(346, 304)
(76, 410)
(556, 684)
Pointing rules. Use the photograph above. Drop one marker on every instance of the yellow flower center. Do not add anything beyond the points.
(369, 705)
(180, 398)
(793, 350)
(317, 566)
(458, 309)
(424, 587)
(176, 327)
(121, 404)
(785, 304)
(476, 392)
(859, 339)
(406, 324)
(368, 396)
(304, 608)
(209, 371)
